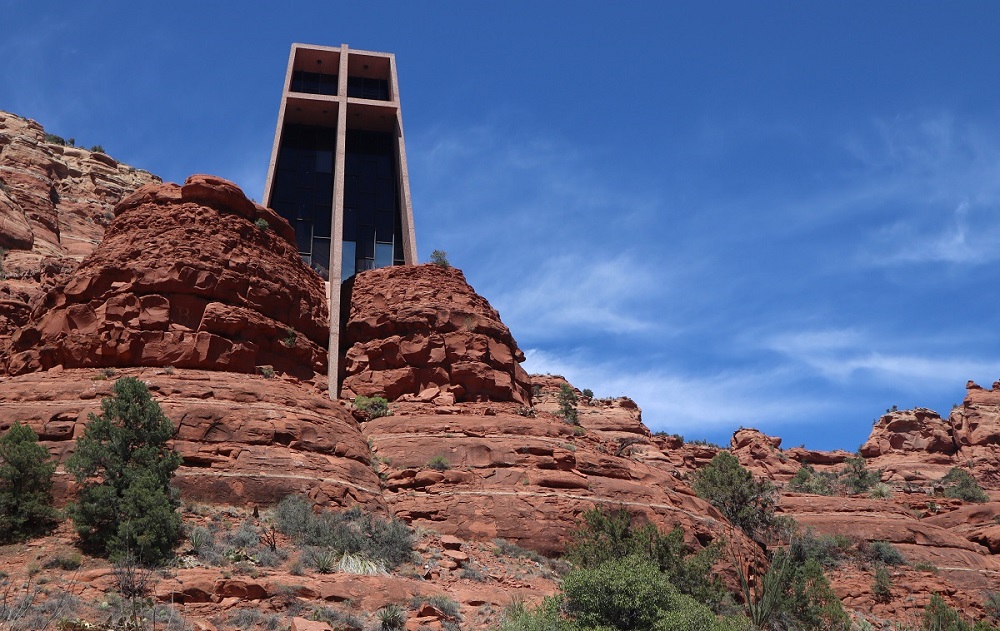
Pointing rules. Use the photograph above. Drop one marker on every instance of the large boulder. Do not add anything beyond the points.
(413, 329)
(919, 429)
(184, 278)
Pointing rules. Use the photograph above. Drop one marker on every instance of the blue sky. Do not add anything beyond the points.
(783, 215)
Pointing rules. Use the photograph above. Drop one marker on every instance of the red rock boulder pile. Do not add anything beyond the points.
(184, 278)
(423, 331)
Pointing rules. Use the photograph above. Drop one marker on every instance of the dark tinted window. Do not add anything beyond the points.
(366, 88)
(313, 82)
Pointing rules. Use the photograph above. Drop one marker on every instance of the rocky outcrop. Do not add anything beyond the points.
(413, 329)
(919, 429)
(185, 278)
(483, 471)
(55, 201)
(245, 440)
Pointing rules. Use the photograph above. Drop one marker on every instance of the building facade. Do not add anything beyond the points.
(338, 169)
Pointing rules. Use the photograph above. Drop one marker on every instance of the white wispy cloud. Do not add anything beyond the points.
(678, 401)
(936, 180)
(537, 229)
(843, 355)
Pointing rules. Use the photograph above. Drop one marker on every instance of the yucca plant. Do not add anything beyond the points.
(391, 618)
(358, 564)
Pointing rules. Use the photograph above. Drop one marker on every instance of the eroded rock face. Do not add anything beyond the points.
(184, 278)
(413, 328)
(55, 202)
(910, 430)
(482, 471)
(244, 439)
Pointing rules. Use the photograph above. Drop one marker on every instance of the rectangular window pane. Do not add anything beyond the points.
(303, 236)
(347, 269)
(383, 254)
(321, 257)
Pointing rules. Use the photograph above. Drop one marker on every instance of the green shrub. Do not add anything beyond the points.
(505, 548)
(262, 224)
(352, 531)
(587, 393)
(290, 337)
(623, 593)
(567, 403)
(882, 585)
(880, 491)
(545, 617)
(372, 407)
(53, 139)
(827, 550)
(746, 502)
(337, 619)
(883, 552)
(991, 606)
(938, 616)
(525, 411)
(97, 149)
(807, 480)
(439, 463)
(960, 484)
(25, 485)
(631, 593)
(267, 372)
(65, 561)
(791, 595)
(606, 535)
(125, 504)
(440, 258)
(323, 559)
(201, 540)
(857, 477)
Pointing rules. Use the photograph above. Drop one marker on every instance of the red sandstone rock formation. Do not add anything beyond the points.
(244, 439)
(55, 202)
(423, 329)
(528, 479)
(184, 278)
(910, 430)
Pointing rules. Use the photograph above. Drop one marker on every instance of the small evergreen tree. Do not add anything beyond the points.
(567, 403)
(123, 465)
(858, 478)
(747, 502)
(440, 258)
(25, 485)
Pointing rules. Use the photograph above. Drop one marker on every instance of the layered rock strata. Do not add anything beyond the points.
(193, 276)
(483, 471)
(244, 439)
(55, 202)
(423, 329)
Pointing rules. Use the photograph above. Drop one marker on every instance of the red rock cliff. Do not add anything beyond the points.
(184, 278)
(55, 202)
(414, 329)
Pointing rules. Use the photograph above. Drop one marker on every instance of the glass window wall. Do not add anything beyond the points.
(371, 203)
(303, 190)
